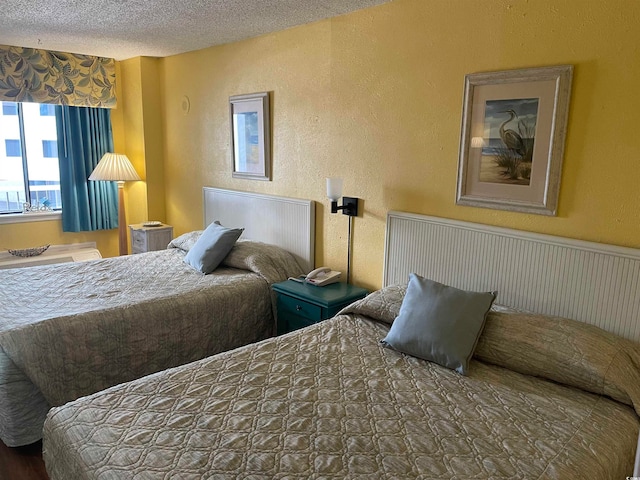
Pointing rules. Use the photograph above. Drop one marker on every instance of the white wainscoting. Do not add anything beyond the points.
(287, 222)
(591, 282)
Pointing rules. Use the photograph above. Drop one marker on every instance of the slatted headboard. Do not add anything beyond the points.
(286, 222)
(591, 282)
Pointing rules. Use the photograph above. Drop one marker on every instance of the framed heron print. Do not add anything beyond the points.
(251, 136)
(512, 139)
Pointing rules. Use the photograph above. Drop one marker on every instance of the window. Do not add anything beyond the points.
(50, 148)
(9, 108)
(12, 147)
(47, 110)
(28, 174)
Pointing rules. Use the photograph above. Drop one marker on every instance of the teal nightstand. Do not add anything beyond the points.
(301, 305)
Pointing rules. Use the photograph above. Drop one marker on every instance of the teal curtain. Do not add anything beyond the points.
(84, 135)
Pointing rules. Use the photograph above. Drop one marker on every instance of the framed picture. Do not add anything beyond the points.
(250, 136)
(512, 141)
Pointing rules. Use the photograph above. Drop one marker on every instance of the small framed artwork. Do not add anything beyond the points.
(512, 141)
(250, 136)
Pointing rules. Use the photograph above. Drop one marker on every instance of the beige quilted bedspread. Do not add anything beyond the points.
(74, 329)
(330, 402)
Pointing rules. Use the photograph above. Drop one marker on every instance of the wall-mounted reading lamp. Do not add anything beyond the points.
(349, 207)
(334, 192)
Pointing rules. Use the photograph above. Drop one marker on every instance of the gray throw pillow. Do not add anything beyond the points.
(213, 245)
(439, 323)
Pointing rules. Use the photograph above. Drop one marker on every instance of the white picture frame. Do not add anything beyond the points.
(250, 136)
(512, 139)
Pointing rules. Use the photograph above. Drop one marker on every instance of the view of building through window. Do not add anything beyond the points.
(29, 170)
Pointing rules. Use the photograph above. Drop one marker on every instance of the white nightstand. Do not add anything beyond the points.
(147, 239)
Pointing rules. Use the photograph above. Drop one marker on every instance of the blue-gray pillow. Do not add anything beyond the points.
(439, 323)
(213, 245)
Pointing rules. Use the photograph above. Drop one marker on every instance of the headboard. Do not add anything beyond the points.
(286, 222)
(591, 282)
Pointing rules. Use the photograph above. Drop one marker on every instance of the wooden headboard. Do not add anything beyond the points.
(591, 282)
(286, 222)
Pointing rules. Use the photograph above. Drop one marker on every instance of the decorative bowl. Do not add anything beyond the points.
(29, 252)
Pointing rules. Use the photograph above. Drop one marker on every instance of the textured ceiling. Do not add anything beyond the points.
(123, 29)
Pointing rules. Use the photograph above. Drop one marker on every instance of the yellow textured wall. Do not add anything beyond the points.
(376, 97)
(153, 138)
(137, 127)
(142, 137)
(132, 104)
(32, 234)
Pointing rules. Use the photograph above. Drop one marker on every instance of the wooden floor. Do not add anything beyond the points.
(22, 463)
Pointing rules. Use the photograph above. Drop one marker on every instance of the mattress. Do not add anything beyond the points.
(91, 325)
(329, 401)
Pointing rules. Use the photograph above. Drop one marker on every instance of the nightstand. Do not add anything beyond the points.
(148, 239)
(300, 305)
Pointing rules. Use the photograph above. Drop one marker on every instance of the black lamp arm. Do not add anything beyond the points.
(349, 206)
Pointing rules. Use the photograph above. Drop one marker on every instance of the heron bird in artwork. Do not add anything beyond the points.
(511, 138)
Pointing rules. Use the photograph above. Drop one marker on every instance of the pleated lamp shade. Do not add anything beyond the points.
(114, 167)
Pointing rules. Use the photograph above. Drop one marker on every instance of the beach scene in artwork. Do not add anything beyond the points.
(508, 141)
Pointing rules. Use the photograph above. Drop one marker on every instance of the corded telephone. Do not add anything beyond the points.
(319, 277)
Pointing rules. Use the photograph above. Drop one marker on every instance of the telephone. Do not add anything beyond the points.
(319, 277)
(322, 276)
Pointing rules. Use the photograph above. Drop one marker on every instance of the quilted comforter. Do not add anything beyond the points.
(74, 329)
(329, 401)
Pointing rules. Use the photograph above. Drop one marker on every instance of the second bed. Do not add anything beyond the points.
(72, 329)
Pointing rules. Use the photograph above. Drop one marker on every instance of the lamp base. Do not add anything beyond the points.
(122, 220)
(350, 205)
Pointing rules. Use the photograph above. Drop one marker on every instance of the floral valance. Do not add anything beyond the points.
(44, 76)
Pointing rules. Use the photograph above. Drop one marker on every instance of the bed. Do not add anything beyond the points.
(542, 397)
(72, 329)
